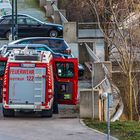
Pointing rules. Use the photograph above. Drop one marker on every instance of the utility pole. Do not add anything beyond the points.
(16, 24)
(14, 29)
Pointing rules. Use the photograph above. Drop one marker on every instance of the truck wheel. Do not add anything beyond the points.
(8, 112)
(47, 113)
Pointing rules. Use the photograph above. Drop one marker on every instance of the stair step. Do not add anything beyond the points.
(38, 82)
(38, 89)
(37, 103)
(37, 96)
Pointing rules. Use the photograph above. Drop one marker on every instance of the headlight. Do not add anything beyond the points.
(60, 28)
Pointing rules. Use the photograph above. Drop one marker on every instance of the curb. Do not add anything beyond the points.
(82, 123)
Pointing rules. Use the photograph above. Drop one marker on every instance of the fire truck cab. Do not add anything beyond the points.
(35, 81)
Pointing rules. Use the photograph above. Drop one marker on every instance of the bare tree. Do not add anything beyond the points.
(119, 22)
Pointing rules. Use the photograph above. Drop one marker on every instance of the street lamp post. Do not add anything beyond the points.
(106, 96)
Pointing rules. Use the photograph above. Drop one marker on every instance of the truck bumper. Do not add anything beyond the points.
(31, 107)
(28, 106)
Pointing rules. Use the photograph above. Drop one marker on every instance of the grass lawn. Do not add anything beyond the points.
(123, 130)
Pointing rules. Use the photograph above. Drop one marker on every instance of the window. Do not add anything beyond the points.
(65, 70)
(31, 21)
(27, 58)
(39, 49)
(56, 43)
(2, 68)
(6, 21)
(21, 21)
(25, 42)
(40, 41)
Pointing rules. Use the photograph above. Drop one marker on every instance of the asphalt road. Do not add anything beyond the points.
(33, 127)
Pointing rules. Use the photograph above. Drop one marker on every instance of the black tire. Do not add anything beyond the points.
(47, 113)
(7, 35)
(8, 112)
(53, 33)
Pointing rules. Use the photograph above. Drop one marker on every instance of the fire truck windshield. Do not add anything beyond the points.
(65, 70)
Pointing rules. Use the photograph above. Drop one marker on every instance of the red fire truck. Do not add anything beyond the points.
(35, 81)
